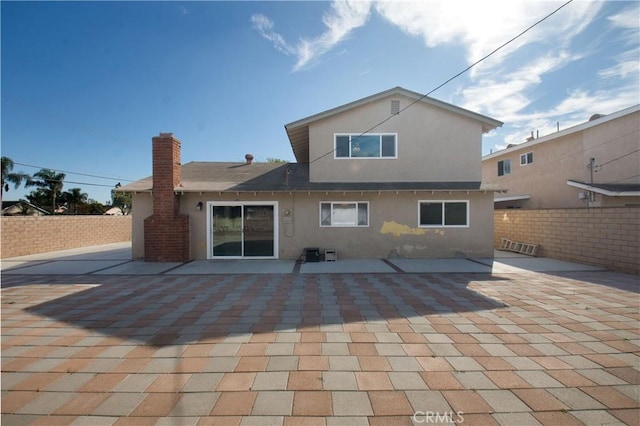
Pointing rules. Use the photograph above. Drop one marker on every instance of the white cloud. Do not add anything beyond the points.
(265, 26)
(579, 104)
(576, 108)
(628, 62)
(482, 26)
(504, 95)
(628, 18)
(622, 69)
(479, 26)
(341, 20)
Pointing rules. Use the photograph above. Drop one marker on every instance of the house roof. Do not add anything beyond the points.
(279, 177)
(609, 189)
(10, 208)
(595, 120)
(298, 131)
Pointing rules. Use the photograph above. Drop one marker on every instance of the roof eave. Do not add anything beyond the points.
(490, 122)
(602, 191)
(512, 198)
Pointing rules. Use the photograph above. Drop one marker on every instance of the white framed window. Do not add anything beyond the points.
(344, 214)
(504, 167)
(526, 158)
(368, 145)
(438, 214)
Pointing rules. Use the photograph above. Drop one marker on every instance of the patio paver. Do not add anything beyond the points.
(329, 349)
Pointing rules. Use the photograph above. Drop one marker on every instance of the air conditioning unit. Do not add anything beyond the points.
(312, 254)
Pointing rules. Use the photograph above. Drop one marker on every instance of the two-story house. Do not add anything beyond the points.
(394, 174)
(593, 164)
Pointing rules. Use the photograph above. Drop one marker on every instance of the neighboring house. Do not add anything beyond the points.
(21, 208)
(594, 164)
(114, 211)
(410, 187)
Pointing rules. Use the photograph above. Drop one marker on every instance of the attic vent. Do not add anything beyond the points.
(395, 107)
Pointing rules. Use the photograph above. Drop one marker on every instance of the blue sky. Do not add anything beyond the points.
(85, 85)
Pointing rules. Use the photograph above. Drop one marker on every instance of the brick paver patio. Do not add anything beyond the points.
(334, 349)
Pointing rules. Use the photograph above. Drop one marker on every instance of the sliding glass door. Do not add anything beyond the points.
(242, 230)
(226, 231)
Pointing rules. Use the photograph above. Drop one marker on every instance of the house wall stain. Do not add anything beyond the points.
(398, 229)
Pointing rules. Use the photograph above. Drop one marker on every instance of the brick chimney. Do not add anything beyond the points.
(166, 232)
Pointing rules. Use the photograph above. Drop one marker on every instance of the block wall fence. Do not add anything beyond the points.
(608, 237)
(38, 234)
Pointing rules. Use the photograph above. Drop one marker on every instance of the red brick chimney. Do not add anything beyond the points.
(166, 232)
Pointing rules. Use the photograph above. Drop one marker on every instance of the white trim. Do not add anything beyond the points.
(443, 214)
(345, 225)
(603, 191)
(511, 198)
(211, 204)
(351, 157)
(526, 159)
(504, 162)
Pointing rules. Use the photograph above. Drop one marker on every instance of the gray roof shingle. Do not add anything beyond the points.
(279, 177)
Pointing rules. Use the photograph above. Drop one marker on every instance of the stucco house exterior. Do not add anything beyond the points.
(394, 174)
(593, 164)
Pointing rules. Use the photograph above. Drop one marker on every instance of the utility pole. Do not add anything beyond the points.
(591, 167)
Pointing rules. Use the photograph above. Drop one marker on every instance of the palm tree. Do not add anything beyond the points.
(50, 182)
(9, 177)
(74, 197)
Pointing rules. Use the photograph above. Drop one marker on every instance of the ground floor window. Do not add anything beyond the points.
(443, 213)
(344, 213)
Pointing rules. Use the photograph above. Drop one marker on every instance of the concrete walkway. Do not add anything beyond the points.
(82, 346)
(115, 259)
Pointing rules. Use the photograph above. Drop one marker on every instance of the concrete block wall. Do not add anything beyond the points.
(608, 237)
(38, 234)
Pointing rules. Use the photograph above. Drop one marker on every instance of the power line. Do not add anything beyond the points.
(616, 159)
(456, 76)
(627, 178)
(63, 181)
(85, 183)
(74, 173)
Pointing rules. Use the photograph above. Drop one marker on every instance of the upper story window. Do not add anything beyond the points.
(504, 167)
(526, 158)
(368, 145)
